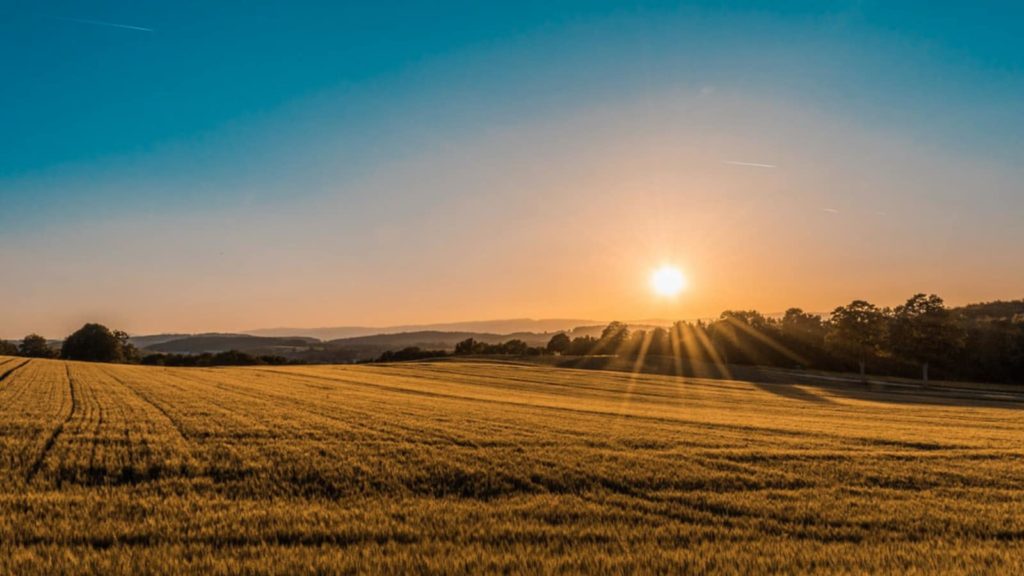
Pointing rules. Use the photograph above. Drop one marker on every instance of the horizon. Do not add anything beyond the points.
(197, 168)
(570, 323)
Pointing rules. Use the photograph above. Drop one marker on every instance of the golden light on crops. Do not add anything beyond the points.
(668, 281)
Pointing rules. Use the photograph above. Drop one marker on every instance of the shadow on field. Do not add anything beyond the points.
(791, 391)
(781, 382)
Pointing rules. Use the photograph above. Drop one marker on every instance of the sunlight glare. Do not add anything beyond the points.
(668, 281)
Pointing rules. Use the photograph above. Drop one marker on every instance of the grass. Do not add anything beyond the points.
(470, 467)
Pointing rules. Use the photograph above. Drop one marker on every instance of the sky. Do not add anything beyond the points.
(225, 166)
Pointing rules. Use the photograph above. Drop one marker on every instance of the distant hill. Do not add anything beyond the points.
(437, 338)
(223, 342)
(338, 350)
(369, 347)
(510, 326)
(153, 339)
(367, 343)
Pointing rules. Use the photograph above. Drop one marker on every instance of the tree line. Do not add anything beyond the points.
(919, 337)
(469, 346)
(90, 343)
(97, 343)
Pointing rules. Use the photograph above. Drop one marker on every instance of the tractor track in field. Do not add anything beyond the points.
(147, 400)
(96, 436)
(177, 426)
(37, 465)
(10, 371)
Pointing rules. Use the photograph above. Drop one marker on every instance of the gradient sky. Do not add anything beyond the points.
(197, 166)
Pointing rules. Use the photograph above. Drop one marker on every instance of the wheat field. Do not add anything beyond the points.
(471, 467)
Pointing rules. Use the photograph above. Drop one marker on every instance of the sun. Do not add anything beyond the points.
(668, 281)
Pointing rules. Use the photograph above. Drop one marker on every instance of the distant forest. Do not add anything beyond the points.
(920, 338)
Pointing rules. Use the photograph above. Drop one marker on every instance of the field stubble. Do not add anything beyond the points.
(470, 467)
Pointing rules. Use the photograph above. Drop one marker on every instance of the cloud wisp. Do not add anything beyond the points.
(102, 23)
(751, 164)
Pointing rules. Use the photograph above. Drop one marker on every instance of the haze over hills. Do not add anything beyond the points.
(337, 350)
(356, 342)
(362, 347)
(506, 326)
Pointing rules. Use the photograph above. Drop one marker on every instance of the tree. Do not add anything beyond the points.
(746, 337)
(803, 327)
(582, 346)
(923, 330)
(515, 347)
(751, 318)
(129, 353)
(410, 353)
(804, 334)
(613, 337)
(8, 348)
(559, 343)
(658, 343)
(95, 343)
(633, 344)
(857, 330)
(467, 346)
(35, 346)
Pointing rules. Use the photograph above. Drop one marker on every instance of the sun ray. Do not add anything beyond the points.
(769, 341)
(709, 347)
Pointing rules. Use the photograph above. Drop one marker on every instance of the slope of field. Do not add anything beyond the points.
(474, 467)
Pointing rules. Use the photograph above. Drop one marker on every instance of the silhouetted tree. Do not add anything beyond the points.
(559, 343)
(581, 346)
(8, 348)
(857, 330)
(751, 318)
(612, 338)
(692, 341)
(467, 346)
(35, 346)
(658, 343)
(747, 337)
(410, 353)
(633, 344)
(234, 358)
(129, 353)
(800, 326)
(805, 334)
(228, 358)
(993, 347)
(923, 330)
(514, 347)
(94, 343)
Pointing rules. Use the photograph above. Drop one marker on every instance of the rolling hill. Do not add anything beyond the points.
(223, 342)
(510, 326)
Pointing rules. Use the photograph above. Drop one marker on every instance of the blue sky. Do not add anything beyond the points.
(121, 114)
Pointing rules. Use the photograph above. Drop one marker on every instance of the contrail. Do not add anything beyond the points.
(830, 210)
(102, 23)
(754, 164)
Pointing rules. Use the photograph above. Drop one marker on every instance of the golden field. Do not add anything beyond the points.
(470, 467)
